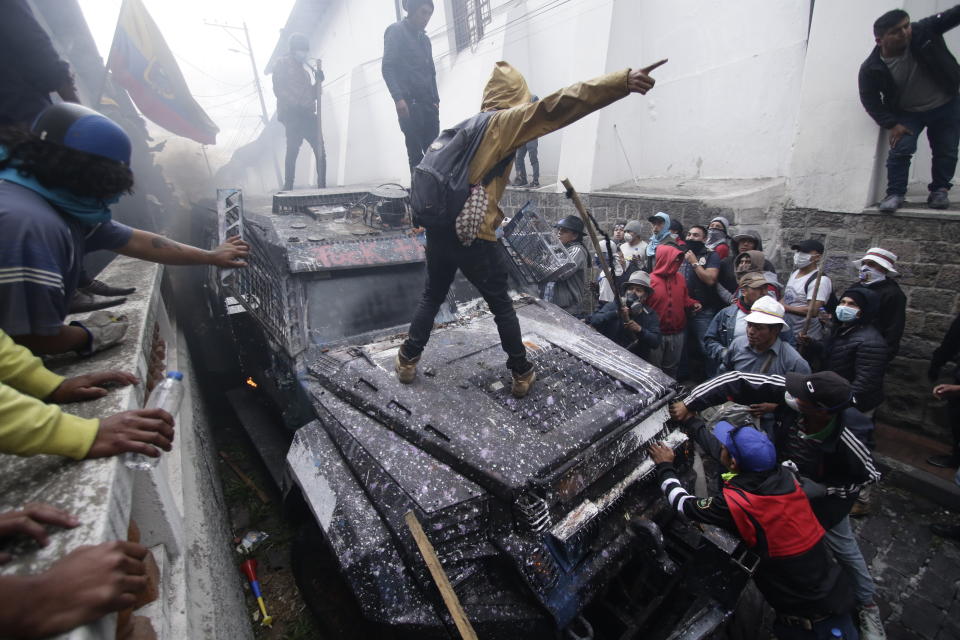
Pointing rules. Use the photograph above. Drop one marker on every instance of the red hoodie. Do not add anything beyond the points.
(669, 298)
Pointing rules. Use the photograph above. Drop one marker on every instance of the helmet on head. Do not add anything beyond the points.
(572, 223)
(83, 129)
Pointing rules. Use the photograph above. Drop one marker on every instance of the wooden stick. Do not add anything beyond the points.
(812, 305)
(245, 478)
(578, 204)
(450, 598)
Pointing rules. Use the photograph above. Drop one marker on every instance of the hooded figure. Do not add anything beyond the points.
(515, 122)
(660, 236)
(855, 349)
(671, 301)
(718, 237)
(728, 275)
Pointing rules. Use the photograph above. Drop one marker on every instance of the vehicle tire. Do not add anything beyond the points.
(325, 591)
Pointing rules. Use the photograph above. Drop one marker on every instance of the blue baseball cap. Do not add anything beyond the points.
(83, 129)
(752, 449)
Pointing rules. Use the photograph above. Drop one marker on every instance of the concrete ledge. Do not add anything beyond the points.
(943, 492)
(178, 506)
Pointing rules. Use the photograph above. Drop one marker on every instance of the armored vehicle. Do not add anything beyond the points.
(542, 511)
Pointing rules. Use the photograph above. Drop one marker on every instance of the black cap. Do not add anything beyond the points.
(808, 245)
(675, 225)
(827, 389)
(573, 223)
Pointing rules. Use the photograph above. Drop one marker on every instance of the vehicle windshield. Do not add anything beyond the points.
(356, 301)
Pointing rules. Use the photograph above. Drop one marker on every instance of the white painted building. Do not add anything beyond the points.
(755, 89)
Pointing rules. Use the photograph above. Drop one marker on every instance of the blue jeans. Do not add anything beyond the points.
(943, 133)
(844, 545)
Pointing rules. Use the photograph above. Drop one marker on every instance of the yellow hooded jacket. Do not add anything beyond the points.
(29, 426)
(519, 121)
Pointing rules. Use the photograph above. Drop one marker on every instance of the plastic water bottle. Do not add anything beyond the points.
(167, 396)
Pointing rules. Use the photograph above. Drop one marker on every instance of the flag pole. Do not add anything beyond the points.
(106, 63)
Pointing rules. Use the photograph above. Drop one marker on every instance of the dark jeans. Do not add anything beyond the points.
(943, 133)
(697, 326)
(821, 630)
(531, 148)
(482, 264)
(420, 129)
(953, 415)
(302, 127)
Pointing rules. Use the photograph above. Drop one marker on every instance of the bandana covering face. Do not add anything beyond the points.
(87, 211)
(715, 237)
(869, 275)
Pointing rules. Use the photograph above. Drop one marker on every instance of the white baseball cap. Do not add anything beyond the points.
(884, 258)
(766, 310)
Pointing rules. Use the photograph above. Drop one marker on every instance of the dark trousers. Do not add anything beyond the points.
(419, 130)
(953, 415)
(298, 128)
(529, 148)
(943, 133)
(822, 629)
(482, 264)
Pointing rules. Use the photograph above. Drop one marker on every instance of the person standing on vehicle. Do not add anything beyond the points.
(763, 504)
(297, 107)
(411, 78)
(516, 120)
(908, 82)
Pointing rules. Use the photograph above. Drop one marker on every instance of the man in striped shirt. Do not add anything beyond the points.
(812, 437)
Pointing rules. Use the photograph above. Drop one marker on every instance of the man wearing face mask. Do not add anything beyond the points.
(800, 286)
(812, 437)
(700, 268)
(411, 78)
(877, 268)
(636, 326)
(634, 247)
(297, 107)
(717, 238)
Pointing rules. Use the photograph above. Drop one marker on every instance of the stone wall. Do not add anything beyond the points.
(928, 259)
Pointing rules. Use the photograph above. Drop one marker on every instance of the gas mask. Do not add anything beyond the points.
(801, 260)
(630, 298)
(869, 275)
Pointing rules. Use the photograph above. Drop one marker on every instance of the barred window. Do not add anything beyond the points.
(469, 19)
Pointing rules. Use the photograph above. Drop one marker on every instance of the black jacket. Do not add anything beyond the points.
(841, 462)
(30, 69)
(892, 302)
(949, 349)
(879, 93)
(607, 321)
(727, 277)
(408, 66)
(859, 354)
(809, 584)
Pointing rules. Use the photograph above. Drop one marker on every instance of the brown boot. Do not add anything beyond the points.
(522, 383)
(406, 368)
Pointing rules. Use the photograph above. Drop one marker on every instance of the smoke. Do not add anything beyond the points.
(185, 168)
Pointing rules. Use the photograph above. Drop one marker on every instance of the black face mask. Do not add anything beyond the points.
(696, 246)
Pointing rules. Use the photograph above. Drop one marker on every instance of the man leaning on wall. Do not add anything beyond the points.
(909, 82)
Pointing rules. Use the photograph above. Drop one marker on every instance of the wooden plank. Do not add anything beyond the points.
(450, 598)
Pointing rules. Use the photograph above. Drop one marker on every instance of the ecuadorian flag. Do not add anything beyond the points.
(142, 64)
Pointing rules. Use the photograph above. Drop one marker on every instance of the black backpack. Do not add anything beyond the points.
(441, 183)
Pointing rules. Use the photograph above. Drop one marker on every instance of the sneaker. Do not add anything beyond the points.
(861, 508)
(938, 199)
(520, 182)
(946, 531)
(534, 184)
(522, 382)
(891, 203)
(870, 626)
(406, 368)
(944, 461)
(100, 288)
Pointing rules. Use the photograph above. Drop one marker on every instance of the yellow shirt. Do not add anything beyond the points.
(29, 426)
(513, 127)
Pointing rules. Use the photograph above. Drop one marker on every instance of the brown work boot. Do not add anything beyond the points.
(406, 368)
(861, 508)
(522, 382)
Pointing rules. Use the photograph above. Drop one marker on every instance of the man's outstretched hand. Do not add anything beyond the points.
(639, 80)
(31, 521)
(136, 431)
(230, 254)
(88, 386)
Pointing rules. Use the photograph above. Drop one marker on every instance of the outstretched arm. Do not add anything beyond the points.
(156, 248)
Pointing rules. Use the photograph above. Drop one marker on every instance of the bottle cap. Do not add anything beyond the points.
(176, 375)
